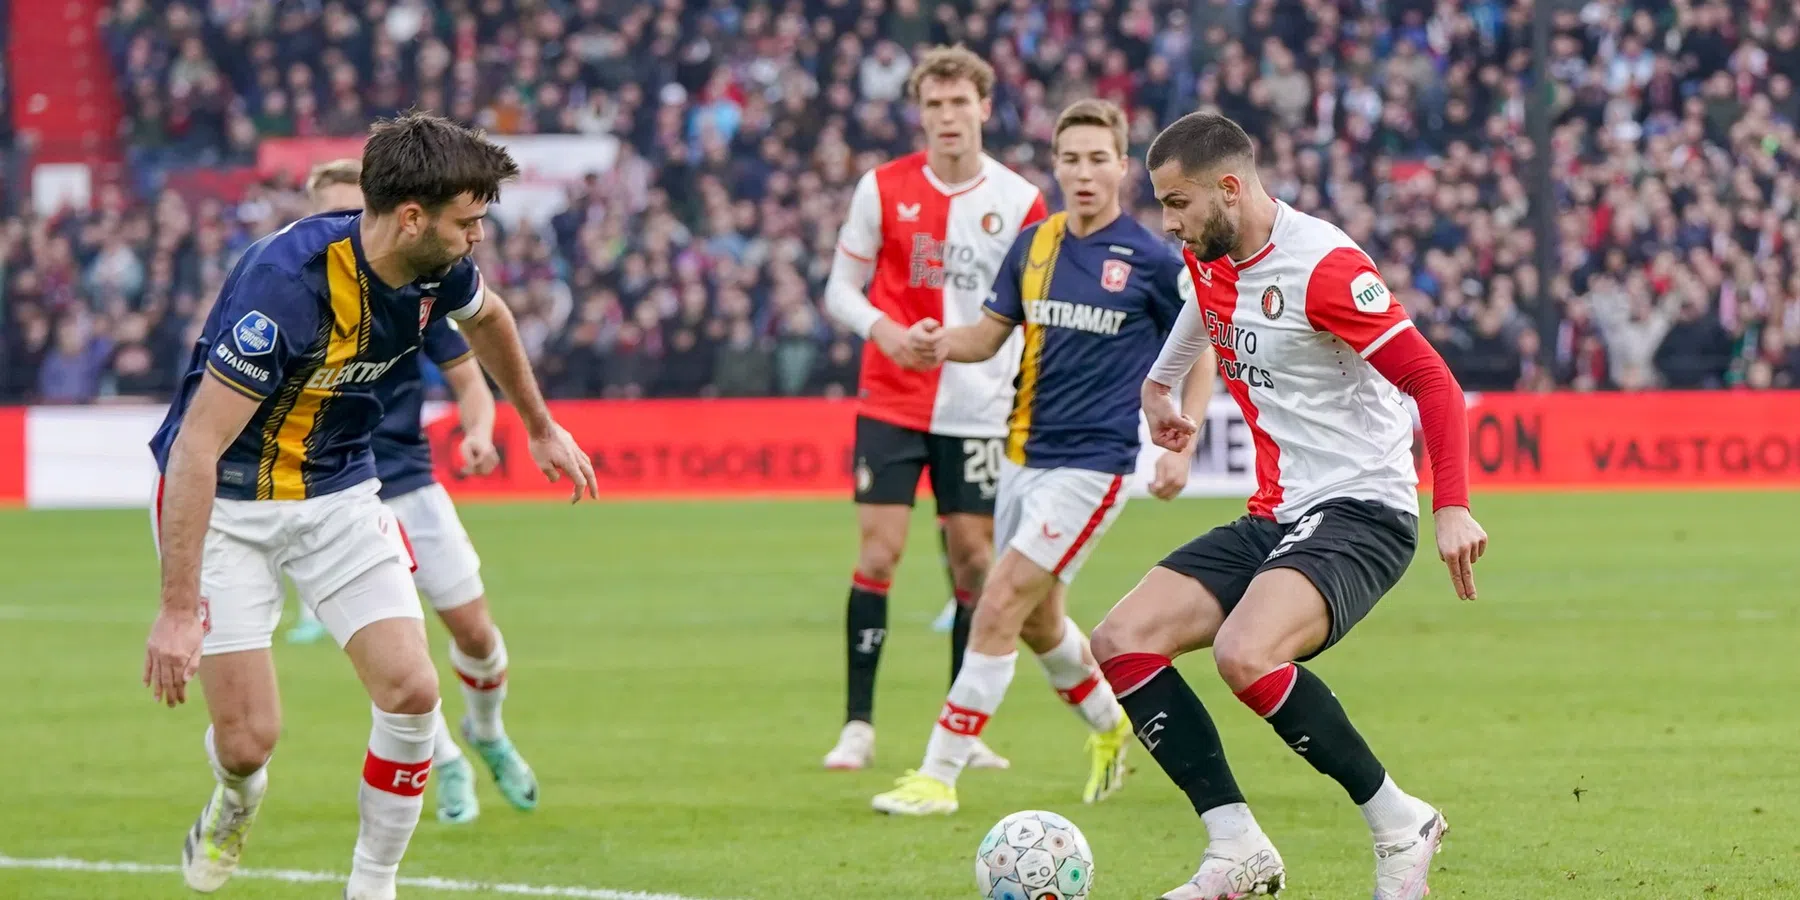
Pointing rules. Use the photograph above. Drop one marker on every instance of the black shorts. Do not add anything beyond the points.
(1353, 551)
(965, 472)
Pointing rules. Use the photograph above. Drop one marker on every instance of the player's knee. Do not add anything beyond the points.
(1111, 638)
(969, 563)
(244, 745)
(471, 628)
(878, 558)
(412, 692)
(1242, 659)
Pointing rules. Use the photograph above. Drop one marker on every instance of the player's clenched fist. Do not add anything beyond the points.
(1169, 429)
(479, 454)
(557, 454)
(1460, 543)
(172, 654)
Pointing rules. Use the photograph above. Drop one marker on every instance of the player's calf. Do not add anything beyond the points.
(396, 768)
(379, 610)
(215, 843)
(484, 686)
(245, 710)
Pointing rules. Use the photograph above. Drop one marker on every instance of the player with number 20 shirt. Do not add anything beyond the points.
(926, 233)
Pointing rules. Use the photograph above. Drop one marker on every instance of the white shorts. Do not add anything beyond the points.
(1054, 517)
(449, 573)
(321, 544)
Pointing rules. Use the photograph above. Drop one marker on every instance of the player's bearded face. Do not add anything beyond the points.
(433, 251)
(1217, 235)
(447, 236)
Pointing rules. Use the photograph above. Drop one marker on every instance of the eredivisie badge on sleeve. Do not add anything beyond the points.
(254, 334)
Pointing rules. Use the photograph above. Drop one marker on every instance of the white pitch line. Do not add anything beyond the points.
(298, 876)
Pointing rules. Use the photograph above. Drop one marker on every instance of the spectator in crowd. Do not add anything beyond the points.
(692, 266)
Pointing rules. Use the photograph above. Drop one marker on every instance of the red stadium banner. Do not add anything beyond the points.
(674, 448)
(12, 456)
(1694, 439)
(295, 157)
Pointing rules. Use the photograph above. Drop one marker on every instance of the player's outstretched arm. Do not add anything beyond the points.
(964, 343)
(475, 412)
(214, 418)
(1414, 366)
(494, 336)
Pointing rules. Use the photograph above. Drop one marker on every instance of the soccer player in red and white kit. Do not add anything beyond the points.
(926, 233)
(1312, 346)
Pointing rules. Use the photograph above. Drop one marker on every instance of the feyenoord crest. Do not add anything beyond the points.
(992, 223)
(865, 478)
(1114, 274)
(1272, 302)
(424, 312)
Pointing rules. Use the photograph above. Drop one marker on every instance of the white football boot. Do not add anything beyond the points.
(210, 853)
(1234, 869)
(1403, 858)
(855, 747)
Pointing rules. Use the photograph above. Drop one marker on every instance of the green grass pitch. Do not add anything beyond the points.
(1614, 718)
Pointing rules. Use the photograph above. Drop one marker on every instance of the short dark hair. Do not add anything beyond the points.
(1199, 141)
(430, 160)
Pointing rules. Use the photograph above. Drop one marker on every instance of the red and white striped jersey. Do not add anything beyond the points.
(1294, 326)
(936, 249)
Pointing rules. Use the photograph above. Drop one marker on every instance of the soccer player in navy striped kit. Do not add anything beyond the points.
(267, 471)
(1095, 294)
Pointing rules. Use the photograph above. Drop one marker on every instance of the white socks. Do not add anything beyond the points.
(391, 796)
(1391, 809)
(242, 790)
(1079, 682)
(444, 748)
(483, 688)
(1230, 822)
(978, 690)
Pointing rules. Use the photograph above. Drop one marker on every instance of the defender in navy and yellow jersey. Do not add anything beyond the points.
(447, 570)
(1095, 294)
(302, 328)
(267, 471)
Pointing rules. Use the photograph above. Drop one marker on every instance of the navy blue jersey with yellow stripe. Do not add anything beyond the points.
(1095, 310)
(305, 327)
(402, 454)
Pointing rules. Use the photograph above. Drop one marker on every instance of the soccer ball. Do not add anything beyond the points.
(1034, 855)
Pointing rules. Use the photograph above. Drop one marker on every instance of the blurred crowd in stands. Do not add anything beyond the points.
(694, 266)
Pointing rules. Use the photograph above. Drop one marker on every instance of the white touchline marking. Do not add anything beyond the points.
(298, 876)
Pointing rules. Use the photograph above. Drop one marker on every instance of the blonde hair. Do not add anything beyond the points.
(952, 64)
(1099, 113)
(337, 171)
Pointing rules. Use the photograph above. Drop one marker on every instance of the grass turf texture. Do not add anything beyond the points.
(1612, 719)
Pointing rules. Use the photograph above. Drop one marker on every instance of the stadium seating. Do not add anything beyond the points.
(694, 264)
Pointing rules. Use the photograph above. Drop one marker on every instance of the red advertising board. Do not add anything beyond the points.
(673, 448)
(1655, 440)
(12, 455)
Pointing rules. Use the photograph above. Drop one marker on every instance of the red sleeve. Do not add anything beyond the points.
(1038, 211)
(1414, 366)
(1346, 297)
